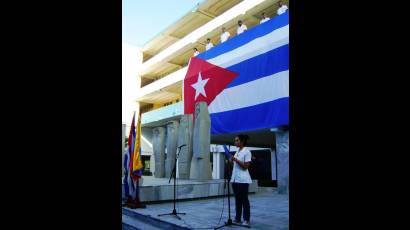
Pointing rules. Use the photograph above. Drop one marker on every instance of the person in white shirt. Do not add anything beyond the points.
(225, 35)
(241, 28)
(264, 19)
(196, 52)
(241, 179)
(208, 44)
(282, 8)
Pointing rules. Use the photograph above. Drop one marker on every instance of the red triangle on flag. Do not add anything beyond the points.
(203, 82)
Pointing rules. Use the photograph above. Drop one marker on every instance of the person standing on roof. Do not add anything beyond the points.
(241, 28)
(225, 35)
(264, 19)
(282, 8)
(209, 44)
(196, 52)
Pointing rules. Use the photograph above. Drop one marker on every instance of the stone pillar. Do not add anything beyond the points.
(158, 147)
(217, 162)
(152, 163)
(273, 164)
(172, 141)
(214, 163)
(282, 151)
(218, 165)
(185, 138)
(200, 164)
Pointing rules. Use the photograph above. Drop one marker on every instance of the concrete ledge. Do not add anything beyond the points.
(188, 190)
(159, 190)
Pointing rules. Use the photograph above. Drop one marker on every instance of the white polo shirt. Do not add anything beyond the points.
(240, 175)
(282, 9)
(264, 20)
(241, 29)
(209, 45)
(225, 36)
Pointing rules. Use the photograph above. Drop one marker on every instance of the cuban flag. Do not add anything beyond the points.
(245, 80)
(128, 159)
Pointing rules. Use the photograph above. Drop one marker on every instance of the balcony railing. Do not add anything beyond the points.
(163, 113)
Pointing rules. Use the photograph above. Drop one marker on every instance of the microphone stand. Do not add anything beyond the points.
(227, 176)
(173, 173)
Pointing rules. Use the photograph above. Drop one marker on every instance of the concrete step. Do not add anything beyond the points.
(132, 221)
(267, 189)
(129, 223)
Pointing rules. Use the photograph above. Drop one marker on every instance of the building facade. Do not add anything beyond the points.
(156, 85)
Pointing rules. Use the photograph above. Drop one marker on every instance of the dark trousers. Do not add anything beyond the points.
(241, 201)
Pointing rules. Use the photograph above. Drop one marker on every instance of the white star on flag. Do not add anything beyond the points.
(199, 86)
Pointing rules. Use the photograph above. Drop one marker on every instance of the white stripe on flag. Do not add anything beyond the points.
(273, 40)
(256, 92)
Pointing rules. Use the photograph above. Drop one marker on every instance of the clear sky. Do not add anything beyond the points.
(143, 19)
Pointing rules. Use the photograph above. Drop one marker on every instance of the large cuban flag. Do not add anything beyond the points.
(245, 80)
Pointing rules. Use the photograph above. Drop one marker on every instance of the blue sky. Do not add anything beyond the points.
(143, 19)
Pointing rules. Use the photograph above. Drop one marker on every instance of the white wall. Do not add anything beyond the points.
(131, 61)
(131, 82)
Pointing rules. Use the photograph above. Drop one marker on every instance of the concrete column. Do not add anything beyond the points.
(172, 141)
(152, 163)
(214, 163)
(217, 162)
(218, 165)
(221, 166)
(200, 164)
(158, 147)
(273, 163)
(185, 138)
(282, 150)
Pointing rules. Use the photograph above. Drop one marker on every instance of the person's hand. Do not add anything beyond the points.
(234, 159)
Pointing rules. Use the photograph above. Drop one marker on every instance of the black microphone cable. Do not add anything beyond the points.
(222, 211)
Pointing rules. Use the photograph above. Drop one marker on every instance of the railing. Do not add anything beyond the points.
(195, 35)
(163, 113)
(176, 76)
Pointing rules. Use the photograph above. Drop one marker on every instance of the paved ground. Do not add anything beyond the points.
(269, 210)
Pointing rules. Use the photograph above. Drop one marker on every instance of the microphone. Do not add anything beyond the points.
(181, 146)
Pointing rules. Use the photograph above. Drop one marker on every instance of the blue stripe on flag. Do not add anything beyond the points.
(270, 114)
(263, 65)
(251, 34)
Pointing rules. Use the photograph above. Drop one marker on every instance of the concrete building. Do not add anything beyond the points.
(153, 79)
